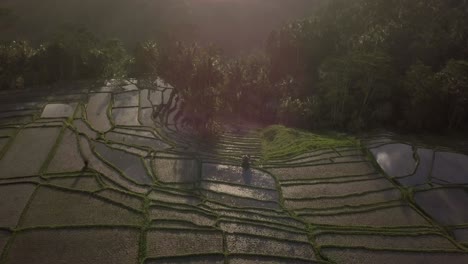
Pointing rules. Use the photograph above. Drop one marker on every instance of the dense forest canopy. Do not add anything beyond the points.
(352, 65)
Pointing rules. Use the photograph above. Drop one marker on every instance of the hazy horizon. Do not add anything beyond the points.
(236, 26)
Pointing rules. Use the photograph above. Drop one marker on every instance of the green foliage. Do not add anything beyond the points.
(425, 106)
(279, 141)
(354, 65)
(454, 78)
(200, 87)
(353, 88)
(208, 84)
(15, 61)
(248, 91)
(437, 100)
(111, 60)
(197, 75)
(293, 112)
(148, 59)
(73, 53)
(76, 53)
(360, 62)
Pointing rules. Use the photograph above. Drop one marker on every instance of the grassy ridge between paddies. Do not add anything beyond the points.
(279, 141)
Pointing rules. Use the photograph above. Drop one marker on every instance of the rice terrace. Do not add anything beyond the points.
(147, 192)
(328, 144)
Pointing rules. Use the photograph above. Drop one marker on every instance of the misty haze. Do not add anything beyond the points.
(233, 131)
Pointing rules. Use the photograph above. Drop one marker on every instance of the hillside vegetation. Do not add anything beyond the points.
(354, 65)
(281, 142)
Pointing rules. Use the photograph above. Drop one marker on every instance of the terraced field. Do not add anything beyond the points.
(111, 175)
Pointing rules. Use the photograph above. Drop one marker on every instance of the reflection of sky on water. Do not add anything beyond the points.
(235, 174)
(58, 110)
(451, 167)
(384, 160)
(395, 159)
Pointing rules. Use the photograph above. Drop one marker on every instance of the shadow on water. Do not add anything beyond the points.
(247, 175)
(185, 170)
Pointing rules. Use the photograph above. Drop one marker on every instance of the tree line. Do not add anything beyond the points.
(370, 63)
(354, 65)
(73, 53)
